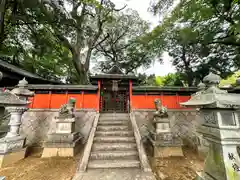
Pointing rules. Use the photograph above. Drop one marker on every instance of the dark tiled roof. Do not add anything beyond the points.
(18, 70)
(113, 76)
(24, 73)
(164, 88)
(59, 87)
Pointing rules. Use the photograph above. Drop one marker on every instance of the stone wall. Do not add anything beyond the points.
(37, 123)
(183, 123)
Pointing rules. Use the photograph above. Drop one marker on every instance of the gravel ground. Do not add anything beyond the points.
(36, 168)
(178, 168)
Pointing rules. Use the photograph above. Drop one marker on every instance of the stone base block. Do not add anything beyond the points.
(12, 157)
(61, 152)
(162, 152)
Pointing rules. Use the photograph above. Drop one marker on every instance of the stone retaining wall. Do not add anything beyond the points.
(37, 123)
(182, 122)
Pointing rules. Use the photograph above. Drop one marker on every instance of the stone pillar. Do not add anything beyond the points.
(218, 124)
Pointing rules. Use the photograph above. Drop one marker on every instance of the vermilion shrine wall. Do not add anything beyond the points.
(147, 101)
(54, 101)
(90, 100)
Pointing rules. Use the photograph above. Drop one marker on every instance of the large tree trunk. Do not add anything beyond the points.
(81, 70)
(2, 15)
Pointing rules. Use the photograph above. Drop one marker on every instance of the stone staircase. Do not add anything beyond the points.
(114, 144)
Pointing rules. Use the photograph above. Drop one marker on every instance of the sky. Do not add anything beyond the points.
(142, 7)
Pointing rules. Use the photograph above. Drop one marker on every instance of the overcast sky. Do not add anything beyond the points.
(142, 7)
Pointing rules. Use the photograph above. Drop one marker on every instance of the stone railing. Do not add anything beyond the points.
(141, 151)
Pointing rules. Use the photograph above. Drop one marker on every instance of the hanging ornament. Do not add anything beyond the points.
(114, 85)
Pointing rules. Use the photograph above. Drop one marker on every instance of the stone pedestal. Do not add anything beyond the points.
(64, 141)
(163, 142)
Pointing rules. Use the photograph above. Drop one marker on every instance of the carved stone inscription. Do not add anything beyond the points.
(210, 118)
(64, 128)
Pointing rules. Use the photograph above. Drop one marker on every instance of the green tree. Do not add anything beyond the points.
(171, 79)
(200, 36)
(45, 35)
(124, 46)
(230, 80)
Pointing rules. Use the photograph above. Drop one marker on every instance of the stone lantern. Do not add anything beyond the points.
(12, 145)
(22, 91)
(218, 123)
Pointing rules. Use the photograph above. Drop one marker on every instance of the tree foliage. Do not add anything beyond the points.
(59, 39)
(201, 36)
(171, 79)
(124, 46)
(230, 80)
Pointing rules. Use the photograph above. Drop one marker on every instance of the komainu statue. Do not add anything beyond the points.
(67, 110)
(161, 111)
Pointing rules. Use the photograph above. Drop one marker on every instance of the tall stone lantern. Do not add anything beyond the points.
(218, 123)
(22, 91)
(12, 145)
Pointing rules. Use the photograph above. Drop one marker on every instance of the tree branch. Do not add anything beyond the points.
(104, 39)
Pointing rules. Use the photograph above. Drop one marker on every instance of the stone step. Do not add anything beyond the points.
(114, 115)
(113, 118)
(131, 155)
(112, 127)
(115, 139)
(114, 133)
(110, 122)
(97, 164)
(114, 146)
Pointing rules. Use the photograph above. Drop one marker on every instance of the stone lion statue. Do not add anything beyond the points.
(161, 111)
(67, 110)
